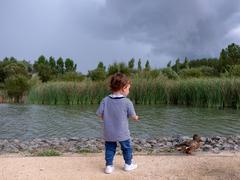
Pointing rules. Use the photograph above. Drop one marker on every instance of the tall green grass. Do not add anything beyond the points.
(214, 92)
(68, 93)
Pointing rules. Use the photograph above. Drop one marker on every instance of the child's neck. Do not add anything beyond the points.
(117, 93)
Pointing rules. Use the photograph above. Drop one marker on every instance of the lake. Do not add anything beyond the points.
(42, 121)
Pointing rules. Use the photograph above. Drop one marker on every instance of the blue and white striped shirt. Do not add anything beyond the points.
(115, 110)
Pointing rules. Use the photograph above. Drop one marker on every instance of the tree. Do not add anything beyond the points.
(69, 65)
(229, 56)
(9, 67)
(52, 63)
(177, 65)
(123, 68)
(41, 60)
(233, 54)
(139, 65)
(101, 66)
(13, 59)
(44, 68)
(112, 69)
(223, 61)
(16, 86)
(28, 66)
(169, 64)
(118, 67)
(44, 72)
(2, 74)
(147, 66)
(60, 66)
(99, 73)
(14, 68)
(6, 59)
(186, 63)
(131, 64)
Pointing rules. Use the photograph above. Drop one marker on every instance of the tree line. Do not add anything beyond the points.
(17, 76)
(227, 65)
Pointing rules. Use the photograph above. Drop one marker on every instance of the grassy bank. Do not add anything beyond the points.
(214, 92)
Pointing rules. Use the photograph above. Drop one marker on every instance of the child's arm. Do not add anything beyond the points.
(100, 110)
(135, 118)
(131, 112)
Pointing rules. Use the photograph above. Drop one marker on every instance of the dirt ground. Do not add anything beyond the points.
(91, 166)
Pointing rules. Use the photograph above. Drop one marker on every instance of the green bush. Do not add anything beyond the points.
(208, 71)
(170, 73)
(34, 81)
(71, 76)
(15, 68)
(16, 86)
(98, 74)
(235, 70)
(151, 74)
(191, 73)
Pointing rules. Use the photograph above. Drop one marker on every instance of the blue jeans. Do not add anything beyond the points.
(110, 150)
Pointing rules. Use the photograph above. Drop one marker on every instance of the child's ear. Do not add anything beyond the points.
(122, 89)
(125, 87)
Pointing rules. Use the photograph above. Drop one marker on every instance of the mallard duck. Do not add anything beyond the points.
(191, 145)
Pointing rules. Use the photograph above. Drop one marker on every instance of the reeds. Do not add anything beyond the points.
(211, 92)
(87, 92)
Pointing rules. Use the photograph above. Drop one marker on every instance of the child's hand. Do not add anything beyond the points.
(100, 117)
(135, 118)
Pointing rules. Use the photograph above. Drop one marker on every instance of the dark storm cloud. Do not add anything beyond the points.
(175, 28)
(116, 30)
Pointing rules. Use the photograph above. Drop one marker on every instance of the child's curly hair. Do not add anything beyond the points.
(118, 81)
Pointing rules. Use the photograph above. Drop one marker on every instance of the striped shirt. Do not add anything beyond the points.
(115, 110)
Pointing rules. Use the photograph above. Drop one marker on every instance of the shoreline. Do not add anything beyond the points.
(101, 154)
(153, 146)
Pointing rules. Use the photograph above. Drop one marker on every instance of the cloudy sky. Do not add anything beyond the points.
(89, 31)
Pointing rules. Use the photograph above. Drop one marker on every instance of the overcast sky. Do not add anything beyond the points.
(89, 31)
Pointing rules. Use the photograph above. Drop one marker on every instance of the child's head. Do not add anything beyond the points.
(120, 83)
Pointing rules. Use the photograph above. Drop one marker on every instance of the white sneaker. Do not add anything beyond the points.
(109, 169)
(130, 167)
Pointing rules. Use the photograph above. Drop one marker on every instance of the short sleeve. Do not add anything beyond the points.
(130, 110)
(100, 110)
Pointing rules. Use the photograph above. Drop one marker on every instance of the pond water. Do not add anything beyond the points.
(41, 121)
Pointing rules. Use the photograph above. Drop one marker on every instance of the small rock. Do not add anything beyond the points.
(206, 147)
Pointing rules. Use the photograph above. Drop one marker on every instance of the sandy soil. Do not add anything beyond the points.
(91, 166)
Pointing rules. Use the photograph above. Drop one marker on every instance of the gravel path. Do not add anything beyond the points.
(91, 166)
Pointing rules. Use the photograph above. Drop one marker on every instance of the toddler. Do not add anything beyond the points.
(115, 109)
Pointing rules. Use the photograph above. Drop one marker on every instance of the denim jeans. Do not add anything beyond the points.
(110, 150)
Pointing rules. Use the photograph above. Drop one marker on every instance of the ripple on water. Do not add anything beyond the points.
(38, 121)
